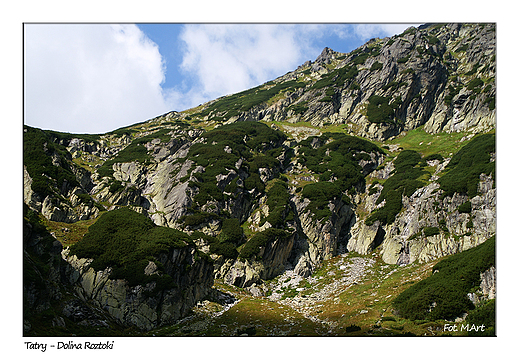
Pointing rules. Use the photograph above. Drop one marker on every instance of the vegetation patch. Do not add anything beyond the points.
(126, 241)
(252, 247)
(38, 153)
(463, 171)
(444, 144)
(230, 237)
(336, 78)
(135, 152)
(254, 142)
(233, 105)
(337, 163)
(465, 207)
(404, 181)
(278, 203)
(379, 109)
(443, 294)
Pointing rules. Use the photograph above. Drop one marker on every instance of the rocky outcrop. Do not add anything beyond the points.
(271, 261)
(54, 207)
(487, 289)
(320, 239)
(488, 283)
(149, 305)
(457, 231)
(365, 238)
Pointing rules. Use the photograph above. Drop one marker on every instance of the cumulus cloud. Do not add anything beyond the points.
(368, 31)
(90, 78)
(223, 59)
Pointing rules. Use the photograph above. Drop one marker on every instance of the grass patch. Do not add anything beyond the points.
(428, 144)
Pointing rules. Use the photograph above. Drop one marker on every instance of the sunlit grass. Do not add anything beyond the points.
(419, 140)
(69, 233)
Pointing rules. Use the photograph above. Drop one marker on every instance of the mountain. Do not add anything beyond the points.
(381, 161)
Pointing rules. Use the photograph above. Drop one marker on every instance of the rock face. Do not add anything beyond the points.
(421, 211)
(271, 261)
(144, 306)
(321, 239)
(488, 283)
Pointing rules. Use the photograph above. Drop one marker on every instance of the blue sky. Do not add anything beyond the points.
(94, 78)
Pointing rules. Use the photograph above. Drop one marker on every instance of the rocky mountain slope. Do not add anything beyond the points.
(388, 150)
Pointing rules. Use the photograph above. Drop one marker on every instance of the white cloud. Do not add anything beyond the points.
(368, 31)
(90, 78)
(223, 59)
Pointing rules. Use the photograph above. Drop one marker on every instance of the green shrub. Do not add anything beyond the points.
(465, 207)
(278, 202)
(475, 84)
(360, 59)
(253, 182)
(376, 66)
(432, 40)
(403, 60)
(483, 315)
(38, 151)
(434, 157)
(490, 101)
(473, 70)
(408, 168)
(231, 231)
(430, 231)
(127, 241)
(198, 218)
(463, 171)
(379, 110)
(452, 92)
(226, 249)
(387, 214)
(116, 186)
(299, 108)
(443, 294)
(252, 247)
